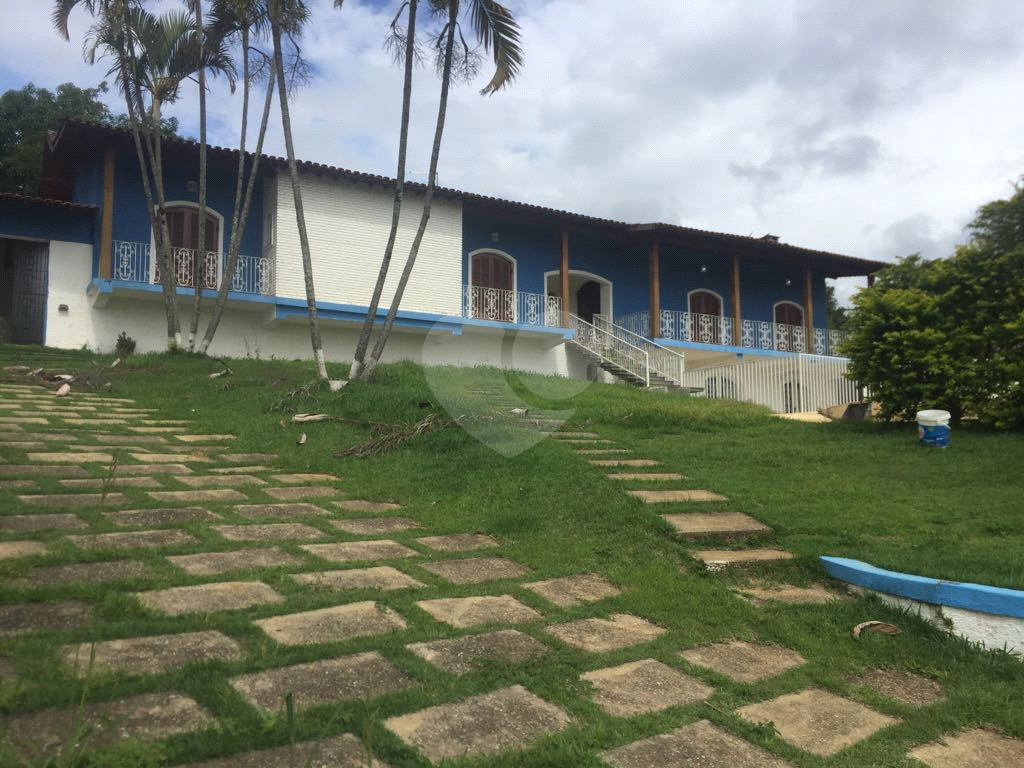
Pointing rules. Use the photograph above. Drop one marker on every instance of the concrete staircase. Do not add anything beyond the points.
(626, 355)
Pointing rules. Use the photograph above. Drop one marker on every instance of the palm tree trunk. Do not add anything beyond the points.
(199, 263)
(238, 219)
(168, 279)
(403, 143)
(293, 170)
(428, 198)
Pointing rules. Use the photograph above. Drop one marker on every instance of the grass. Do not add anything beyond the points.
(864, 491)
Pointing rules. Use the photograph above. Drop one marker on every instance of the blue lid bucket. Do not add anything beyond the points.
(933, 428)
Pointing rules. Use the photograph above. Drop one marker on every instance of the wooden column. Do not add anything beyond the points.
(565, 278)
(736, 313)
(654, 270)
(107, 220)
(809, 308)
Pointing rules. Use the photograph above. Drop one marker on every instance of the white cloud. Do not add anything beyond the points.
(868, 128)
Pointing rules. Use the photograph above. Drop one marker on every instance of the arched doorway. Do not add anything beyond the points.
(492, 279)
(705, 309)
(183, 228)
(589, 294)
(789, 327)
(588, 300)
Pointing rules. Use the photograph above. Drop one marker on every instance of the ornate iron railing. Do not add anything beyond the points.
(131, 262)
(753, 334)
(634, 360)
(510, 306)
(668, 363)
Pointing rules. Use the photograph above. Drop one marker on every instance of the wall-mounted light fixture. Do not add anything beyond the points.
(494, 237)
(703, 269)
(789, 282)
(192, 187)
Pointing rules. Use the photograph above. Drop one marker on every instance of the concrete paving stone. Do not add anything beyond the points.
(18, 485)
(41, 522)
(905, 687)
(269, 532)
(147, 717)
(475, 570)
(571, 435)
(86, 573)
(457, 542)
(218, 481)
(696, 524)
(382, 577)
(262, 511)
(71, 457)
(295, 492)
(361, 505)
(149, 655)
(762, 592)
(211, 563)
(304, 477)
(77, 500)
(209, 598)
(599, 451)
(461, 655)
(717, 559)
(369, 526)
(151, 469)
(98, 421)
(502, 720)
(331, 625)
(130, 439)
(461, 612)
(347, 551)
(976, 748)
(146, 457)
(18, 618)
(133, 539)
(574, 441)
(156, 430)
(664, 497)
(603, 635)
(573, 590)
(242, 470)
(360, 676)
(41, 470)
(115, 482)
(643, 686)
(162, 516)
(698, 745)
(654, 477)
(15, 420)
(10, 550)
(625, 462)
(189, 497)
(204, 438)
(166, 422)
(744, 662)
(23, 445)
(344, 751)
(241, 458)
(817, 721)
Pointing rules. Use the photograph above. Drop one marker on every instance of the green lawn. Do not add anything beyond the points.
(865, 491)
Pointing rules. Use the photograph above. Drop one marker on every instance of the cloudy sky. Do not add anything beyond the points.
(864, 127)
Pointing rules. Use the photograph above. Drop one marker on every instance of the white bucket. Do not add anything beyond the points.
(933, 428)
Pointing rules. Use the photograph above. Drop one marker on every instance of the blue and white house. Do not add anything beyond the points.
(583, 297)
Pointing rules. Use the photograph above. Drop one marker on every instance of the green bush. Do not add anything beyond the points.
(125, 345)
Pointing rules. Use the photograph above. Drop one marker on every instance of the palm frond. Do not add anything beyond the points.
(497, 30)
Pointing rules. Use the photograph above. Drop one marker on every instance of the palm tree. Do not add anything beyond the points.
(407, 40)
(294, 13)
(497, 30)
(242, 19)
(199, 261)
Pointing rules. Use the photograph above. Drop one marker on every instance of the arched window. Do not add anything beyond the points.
(183, 228)
(493, 286)
(789, 327)
(705, 309)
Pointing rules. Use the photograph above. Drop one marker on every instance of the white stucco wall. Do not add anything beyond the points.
(70, 269)
(348, 227)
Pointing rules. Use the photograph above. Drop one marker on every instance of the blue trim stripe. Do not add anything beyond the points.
(955, 594)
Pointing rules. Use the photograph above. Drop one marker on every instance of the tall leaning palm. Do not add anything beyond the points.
(282, 13)
(498, 32)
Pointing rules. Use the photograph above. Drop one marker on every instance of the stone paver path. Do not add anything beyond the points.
(604, 635)
(471, 611)
(211, 563)
(329, 625)
(573, 590)
(382, 577)
(643, 686)
(464, 654)
(698, 745)
(744, 662)
(477, 569)
(145, 655)
(345, 751)
(207, 598)
(977, 748)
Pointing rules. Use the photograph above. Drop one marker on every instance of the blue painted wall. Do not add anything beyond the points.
(47, 223)
(537, 249)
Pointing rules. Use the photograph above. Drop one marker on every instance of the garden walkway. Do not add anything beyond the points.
(89, 481)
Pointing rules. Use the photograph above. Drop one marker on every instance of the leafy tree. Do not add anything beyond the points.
(25, 117)
(949, 333)
(169, 127)
(836, 314)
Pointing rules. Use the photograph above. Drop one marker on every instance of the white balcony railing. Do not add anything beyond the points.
(510, 306)
(131, 262)
(753, 334)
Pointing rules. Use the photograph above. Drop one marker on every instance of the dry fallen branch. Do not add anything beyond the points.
(392, 436)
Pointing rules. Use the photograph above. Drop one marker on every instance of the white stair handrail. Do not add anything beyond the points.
(611, 348)
(667, 362)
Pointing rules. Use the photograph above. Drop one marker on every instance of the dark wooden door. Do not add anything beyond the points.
(25, 276)
(183, 226)
(705, 317)
(588, 300)
(789, 320)
(492, 281)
